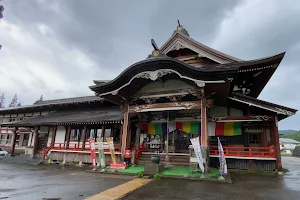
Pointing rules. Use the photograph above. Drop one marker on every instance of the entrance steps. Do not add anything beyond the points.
(176, 160)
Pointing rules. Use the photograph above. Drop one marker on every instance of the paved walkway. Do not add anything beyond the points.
(21, 181)
(245, 187)
(120, 191)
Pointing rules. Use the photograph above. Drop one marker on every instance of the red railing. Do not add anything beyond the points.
(72, 147)
(138, 152)
(241, 151)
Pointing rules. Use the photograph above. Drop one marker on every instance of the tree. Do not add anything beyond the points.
(14, 101)
(2, 101)
(1, 11)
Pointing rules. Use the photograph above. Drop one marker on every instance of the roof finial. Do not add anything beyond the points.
(181, 29)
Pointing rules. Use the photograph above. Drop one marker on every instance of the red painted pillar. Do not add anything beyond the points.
(14, 139)
(125, 129)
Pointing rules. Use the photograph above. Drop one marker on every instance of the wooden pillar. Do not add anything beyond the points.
(103, 131)
(204, 136)
(36, 141)
(84, 137)
(125, 129)
(277, 144)
(128, 142)
(68, 137)
(14, 140)
(138, 132)
(47, 136)
(54, 129)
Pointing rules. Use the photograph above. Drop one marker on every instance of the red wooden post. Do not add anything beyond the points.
(68, 137)
(125, 129)
(14, 139)
(84, 137)
(250, 151)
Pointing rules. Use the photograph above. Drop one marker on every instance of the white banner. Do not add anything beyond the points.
(101, 152)
(223, 165)
(197, 149)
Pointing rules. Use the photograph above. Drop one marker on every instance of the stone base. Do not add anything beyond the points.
(151, 169)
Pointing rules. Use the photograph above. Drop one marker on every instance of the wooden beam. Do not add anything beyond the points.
(183, 105)
(242, 118)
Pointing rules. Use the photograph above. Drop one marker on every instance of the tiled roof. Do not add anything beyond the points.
(78, 116)
(56, 102)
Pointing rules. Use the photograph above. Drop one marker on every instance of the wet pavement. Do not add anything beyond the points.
(244, 187)
(20, 180)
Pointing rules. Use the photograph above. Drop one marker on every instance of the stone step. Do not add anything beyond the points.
(142, 162)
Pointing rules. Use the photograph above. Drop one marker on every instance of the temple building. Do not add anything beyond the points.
(181, 90)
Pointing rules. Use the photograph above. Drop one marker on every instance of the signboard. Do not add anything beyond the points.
(197, 149)
(92, 150)
(101, 152)
(111, 149)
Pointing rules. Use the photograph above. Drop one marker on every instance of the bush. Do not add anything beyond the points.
(157, 176)
(140, 174)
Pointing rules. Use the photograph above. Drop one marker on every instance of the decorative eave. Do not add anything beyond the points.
(275, 108)
(180, 40)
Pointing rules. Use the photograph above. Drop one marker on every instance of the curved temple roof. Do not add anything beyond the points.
(206, 73)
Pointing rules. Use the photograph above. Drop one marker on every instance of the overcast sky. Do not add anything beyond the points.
(56, 48)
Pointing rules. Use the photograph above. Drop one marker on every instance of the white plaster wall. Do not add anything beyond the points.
(236, 112)
(60, 134)
(50, 137)
(44, 113)
(28, 114)
(218, 111)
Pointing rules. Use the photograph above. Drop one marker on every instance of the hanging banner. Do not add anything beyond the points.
(197, 149)
(111, 149)
(92, 150)
(223, 165)
(101, 152)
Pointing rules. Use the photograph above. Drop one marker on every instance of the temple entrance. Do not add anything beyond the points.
(174, 135)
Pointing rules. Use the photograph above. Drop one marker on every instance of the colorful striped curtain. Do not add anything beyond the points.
(189, 127)
(224, 128)
(155, 128)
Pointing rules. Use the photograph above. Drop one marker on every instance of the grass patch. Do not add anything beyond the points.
(184, 170)
(132, 169)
